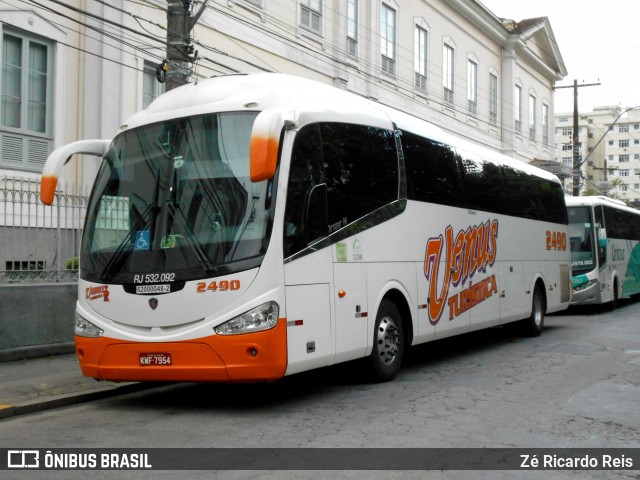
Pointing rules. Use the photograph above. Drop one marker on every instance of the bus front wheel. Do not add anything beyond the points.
(388, 343)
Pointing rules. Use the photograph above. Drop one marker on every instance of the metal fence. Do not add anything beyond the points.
(39, 243)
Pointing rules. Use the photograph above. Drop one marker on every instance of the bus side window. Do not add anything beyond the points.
(361, 171)
(305, 212)
(434, 171)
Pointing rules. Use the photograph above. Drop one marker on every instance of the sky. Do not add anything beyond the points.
(599, 42)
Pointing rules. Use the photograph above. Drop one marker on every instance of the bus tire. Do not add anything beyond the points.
(388, 343)
(532, 326)
(614, 303)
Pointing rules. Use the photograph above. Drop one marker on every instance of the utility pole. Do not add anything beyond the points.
(176, 69)
(576, 128)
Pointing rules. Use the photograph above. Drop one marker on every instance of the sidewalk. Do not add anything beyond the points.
(37, 384)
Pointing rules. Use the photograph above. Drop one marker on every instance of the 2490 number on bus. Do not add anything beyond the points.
(556, 241)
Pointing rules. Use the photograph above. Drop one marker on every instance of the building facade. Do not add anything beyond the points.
(77, 69)
(609, 140)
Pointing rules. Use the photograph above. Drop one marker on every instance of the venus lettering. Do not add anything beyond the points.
(471, 250)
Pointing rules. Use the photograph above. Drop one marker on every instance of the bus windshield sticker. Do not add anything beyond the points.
(341, 252)
(168, 242)
(142, 240)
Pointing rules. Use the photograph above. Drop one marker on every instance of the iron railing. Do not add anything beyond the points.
(39, 243)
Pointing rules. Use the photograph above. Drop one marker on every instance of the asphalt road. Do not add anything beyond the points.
(577, 385)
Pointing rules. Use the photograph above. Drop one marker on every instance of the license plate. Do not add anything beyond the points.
(153, 288)
(155, 359)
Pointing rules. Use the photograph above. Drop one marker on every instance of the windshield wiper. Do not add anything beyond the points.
(179, 216)
(119, 255)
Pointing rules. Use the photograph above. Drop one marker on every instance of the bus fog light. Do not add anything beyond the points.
(84, 328)
(261, 318)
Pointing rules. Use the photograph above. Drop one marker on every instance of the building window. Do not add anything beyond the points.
(636, 156)
(567, 146)
(151, 88)
(517, 108)
(623, 128)
(472, 87)
(623, 158)
(567, 160)
(567, 132)
(388, 39)
(545, 124)
(311, 15)
(611, 143)
(636, 142)
(636, 171)
(612, 158)
(623, 173)
(448, 73)
(532, 117)
(420, 58)
(25, 101)
(493, 99)
(352, 28)
(563, 119)
(623, 143)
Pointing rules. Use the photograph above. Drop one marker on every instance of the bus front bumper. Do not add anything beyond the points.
(260, 356)
(586, 293)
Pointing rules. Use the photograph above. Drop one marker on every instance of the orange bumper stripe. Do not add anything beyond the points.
(260, 356)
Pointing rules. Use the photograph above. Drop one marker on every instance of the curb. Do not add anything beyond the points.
(39, 405)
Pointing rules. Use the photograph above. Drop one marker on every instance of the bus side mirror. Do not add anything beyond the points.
(602, 238)
(265, 142)
(59, 157)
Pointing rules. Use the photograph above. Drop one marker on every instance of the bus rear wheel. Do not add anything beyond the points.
(532, 326)
(388, 343)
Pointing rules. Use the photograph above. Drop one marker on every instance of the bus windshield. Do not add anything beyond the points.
(580, 231)
(175, 197)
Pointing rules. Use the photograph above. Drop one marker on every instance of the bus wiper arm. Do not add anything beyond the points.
(179, 216)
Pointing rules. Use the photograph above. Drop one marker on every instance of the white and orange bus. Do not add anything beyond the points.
(249, 227)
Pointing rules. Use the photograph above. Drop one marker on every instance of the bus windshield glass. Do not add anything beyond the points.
(175, 197)
(581, 239)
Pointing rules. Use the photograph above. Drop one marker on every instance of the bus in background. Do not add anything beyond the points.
(249, 227)
(605, 255)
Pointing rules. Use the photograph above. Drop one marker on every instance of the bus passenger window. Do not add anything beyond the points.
(361, 171)
(303, 218)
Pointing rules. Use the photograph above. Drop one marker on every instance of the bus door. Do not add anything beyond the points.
(350, 280)
(308, 261)
(310, 329)
(604, 272)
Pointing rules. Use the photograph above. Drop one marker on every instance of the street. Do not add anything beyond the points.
(577, 385)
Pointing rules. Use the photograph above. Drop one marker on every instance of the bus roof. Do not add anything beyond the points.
(260, 91)
(599, 200)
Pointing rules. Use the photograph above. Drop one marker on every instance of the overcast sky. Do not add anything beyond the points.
(599, 42)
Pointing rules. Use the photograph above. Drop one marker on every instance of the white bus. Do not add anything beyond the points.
(249, 227)
(604, 235)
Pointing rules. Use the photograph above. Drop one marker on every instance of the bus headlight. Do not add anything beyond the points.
(260, 318)
(584, 286)
(84, 328)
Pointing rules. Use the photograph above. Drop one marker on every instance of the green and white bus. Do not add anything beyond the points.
(604, 236)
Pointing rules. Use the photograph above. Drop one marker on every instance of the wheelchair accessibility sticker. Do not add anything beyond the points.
(142, 240)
